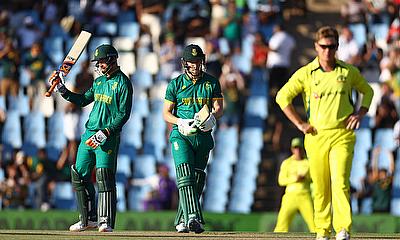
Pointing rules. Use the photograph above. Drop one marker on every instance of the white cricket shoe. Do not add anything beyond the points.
(182, 228)
(195, 226)
(79, 226)
(105, 228)
(343, 235)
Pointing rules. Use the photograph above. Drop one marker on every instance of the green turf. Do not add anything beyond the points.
(147, 235)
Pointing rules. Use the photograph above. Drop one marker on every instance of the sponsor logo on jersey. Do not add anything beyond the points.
(114, 86)
(191, 101)
(102, 98)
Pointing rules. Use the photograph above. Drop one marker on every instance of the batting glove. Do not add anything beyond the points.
(208, 124)
(185, 127)
(98, 138)
(58, 76)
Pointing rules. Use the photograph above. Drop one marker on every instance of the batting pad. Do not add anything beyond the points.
(188, 198)
(85, 201)
(107, 196)
(200, 177)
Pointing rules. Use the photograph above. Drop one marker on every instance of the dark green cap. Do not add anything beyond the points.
(104, 51)
(193, 53)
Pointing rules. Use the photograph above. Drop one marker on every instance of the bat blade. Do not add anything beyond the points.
(71, 58)
(202, 115)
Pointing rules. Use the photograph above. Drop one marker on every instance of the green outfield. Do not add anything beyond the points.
(147, 235)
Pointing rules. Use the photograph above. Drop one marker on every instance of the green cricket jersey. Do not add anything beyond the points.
(327, 96)
(190, 97)
(112, 102)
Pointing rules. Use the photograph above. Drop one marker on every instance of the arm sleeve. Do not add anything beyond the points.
(81, 100)
(170, 93)
(124, 108)
(284, 178)
(361, 85)
(291, 89)
(217, 94)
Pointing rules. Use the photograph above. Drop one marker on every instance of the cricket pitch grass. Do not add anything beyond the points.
(163, 235)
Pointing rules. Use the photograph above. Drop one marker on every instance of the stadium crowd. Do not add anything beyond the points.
(247, 48)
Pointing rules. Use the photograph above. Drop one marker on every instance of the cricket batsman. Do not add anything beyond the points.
(326, 86)
(112, 94)
(295, 176)
(191, 137)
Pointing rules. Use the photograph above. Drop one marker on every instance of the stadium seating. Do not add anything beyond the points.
(63, 196)
(12, 132)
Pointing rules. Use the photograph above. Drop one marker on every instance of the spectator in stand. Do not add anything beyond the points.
(198, 24)
(381, 190)
(149, 13)
(348, 50)
(168, 60)
(231, 24)
(9, 57)
(35, 62)
(214, 56)
(233, 89)
(42, 173)
(353, 12)
(280, 46)
(267, 14)
(371, 56)
(14, 189)
(28, 34)
(104, 10)
(163, 194)
(365, 193)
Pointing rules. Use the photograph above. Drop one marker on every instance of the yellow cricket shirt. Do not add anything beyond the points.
(290, 171)
(327, 96)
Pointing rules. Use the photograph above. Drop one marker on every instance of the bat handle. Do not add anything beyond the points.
(52, 87)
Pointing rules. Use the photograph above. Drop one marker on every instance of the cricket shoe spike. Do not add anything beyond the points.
(182, 228)
(195, 226)
(79, 226)
(105, 228)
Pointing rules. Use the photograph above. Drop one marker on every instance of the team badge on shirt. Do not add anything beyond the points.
(114, 86)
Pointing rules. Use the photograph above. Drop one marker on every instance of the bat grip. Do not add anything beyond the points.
(52, 87)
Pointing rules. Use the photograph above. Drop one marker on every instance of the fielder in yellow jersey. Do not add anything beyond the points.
(326, 86)
(295, 176)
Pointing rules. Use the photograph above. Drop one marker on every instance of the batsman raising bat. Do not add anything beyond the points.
(112, 94)
(186, 101)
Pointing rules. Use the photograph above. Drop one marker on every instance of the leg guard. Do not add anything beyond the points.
(200, 177)
(85, 195)
(188, 197)
(107, 196)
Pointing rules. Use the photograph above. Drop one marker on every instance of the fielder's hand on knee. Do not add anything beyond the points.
(59, 77)
(208, 124)
(186, 126)
(98, 138)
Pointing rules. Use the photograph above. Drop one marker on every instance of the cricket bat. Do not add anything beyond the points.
(71, 58)
(202, 115)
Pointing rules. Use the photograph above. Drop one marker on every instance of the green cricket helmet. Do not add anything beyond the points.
(193, 53)
(104, 51)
